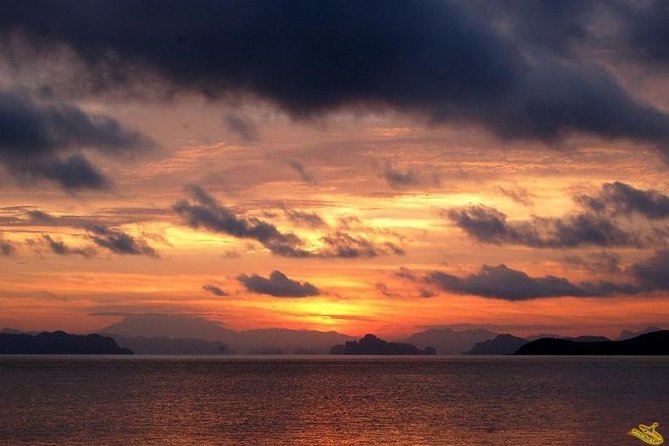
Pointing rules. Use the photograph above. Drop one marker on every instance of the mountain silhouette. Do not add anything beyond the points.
(656, 343)
(59, 343)
(178, 334)
(629, 334)
(372, 345)
(448, 341)
(504, 344)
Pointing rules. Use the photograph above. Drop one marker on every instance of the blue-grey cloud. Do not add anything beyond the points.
(44, 141)
(59, 247)
(202, 210)
(444, 60)
(502, 282)
(119, 242)
(278, 285)
(623, 199)
(214, 289)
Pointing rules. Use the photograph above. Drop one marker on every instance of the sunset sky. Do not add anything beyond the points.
(377, 166)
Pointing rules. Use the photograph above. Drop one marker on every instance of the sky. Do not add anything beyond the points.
(380, 166)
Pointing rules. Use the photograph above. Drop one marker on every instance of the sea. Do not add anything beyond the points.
(328, 400)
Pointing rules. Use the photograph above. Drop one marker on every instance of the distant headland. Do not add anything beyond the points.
(656, 343)
(59, 343)
(372, 345)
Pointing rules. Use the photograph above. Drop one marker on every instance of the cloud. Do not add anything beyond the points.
(622, 199)
(518, 194)
(119, 242)
(60, 248)
(410, 178)
(597, 262)
(343, 244)
(215, 290)
(43, 141)
(651, 273)
(308, 219)
(445, 60)
(243, 127)
(488, 225)
(204, 211)
(302, 171)
(278, 284)
(502, 282)
(74, 173)
(6, 248)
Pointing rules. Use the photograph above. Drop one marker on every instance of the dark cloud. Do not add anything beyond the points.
(597, 262)
(301, 218)
(6, 248)
(518, 194)
(204, 211)
(505, 283)
(441, 59)
(302, 171)
(74, 173)
(37, 141)
(215, 290)
(60, 248)
(243, 127)
(653, 273)
(399, 179)
(622, 199)
(488, 225)
(119, 242)
(343, 244)
(278, 284)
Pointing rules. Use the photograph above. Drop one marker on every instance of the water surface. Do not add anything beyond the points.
(49, 400)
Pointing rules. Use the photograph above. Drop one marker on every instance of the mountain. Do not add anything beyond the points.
(504, 344)
(656, 343)
(168, 346)
(59, 343)
(169, 326)
(628, 334)
(372, 345)
(160, 334)
(448, 341)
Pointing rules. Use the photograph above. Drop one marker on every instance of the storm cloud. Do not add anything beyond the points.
(278, 285)
(443, 60)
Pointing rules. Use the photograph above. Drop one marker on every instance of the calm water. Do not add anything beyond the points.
(330, 400)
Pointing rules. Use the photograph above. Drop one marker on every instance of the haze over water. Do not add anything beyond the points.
(330, 400)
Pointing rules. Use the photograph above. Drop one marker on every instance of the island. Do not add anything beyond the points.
(656, 343)
(59, 343)
(372, 345)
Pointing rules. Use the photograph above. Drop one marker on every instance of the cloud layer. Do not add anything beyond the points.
(445, 60)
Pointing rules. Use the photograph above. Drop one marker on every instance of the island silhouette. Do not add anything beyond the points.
(372, 345)
(59, 343)
(656, 343)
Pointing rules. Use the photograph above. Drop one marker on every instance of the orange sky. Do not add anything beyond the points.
(390, 204)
